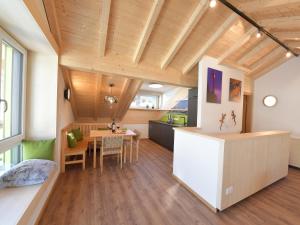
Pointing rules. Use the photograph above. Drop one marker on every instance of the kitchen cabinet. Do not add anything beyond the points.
(162, 133)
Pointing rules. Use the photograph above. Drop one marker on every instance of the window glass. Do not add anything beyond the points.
(10, 91)
(10, 158)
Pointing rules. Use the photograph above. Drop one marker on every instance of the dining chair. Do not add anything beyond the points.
(136, 140)
(111, 145)
(98, 142)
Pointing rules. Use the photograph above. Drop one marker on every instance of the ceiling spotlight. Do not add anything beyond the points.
(155, 85)
(258, 34)
(212, 3)
(288, 54)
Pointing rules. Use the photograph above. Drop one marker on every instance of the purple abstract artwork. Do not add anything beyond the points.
(214, 86)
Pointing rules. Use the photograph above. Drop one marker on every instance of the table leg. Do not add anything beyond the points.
(131, 142)
(95, 152)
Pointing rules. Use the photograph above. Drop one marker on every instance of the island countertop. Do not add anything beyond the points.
(229, 136)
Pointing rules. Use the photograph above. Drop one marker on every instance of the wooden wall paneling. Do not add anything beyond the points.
(253, 51)
(104, 20)
(217, 34)
(98, 96)
(185, 32)
(152, 18)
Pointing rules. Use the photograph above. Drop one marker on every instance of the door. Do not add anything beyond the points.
(247, 113)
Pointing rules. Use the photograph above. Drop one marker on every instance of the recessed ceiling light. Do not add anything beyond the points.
(288, 54)
(270, 101)
(155, 85)
(212, 3)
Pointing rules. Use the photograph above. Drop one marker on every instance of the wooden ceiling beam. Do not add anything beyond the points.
(98, 96)
(112, 66)
(287, 35)
(287, 21)
(53, 20)
(210, 42)
(254, 51)
(185, 32)
(259, 5)
(123, 96)
(104, 20)
(68, 81)
(152, 18)
(267, 58)
(262, 71)
(237, 45)
(293, 44)
(37, 14)
(133, 88)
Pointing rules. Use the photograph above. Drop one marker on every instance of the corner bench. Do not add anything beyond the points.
(79, 150)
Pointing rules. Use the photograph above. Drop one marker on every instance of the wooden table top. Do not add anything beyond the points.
(108, 133)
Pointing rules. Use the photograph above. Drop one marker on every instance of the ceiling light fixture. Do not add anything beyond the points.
(110, 98)
(255, 24)
(212, 3)
(155, 85)
(258, 34)
(288, 54)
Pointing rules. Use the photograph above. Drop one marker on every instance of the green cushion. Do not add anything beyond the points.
(72, 141)
(78, 134)
(42, 149)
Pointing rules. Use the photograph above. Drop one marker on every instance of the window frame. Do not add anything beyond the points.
(12, 141)
(151, 94)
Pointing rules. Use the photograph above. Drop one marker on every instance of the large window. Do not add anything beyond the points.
(146, 101)
(12, 89)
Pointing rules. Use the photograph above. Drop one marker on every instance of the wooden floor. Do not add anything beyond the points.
(146, 193)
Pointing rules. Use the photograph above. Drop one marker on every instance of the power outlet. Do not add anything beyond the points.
(229, 190)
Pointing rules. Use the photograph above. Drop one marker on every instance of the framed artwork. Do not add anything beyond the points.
(235, 90)
(214, 86)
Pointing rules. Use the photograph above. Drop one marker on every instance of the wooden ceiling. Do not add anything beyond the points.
(89, 89)
(165, 39)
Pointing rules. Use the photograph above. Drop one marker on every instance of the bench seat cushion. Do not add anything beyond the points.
(28, 172)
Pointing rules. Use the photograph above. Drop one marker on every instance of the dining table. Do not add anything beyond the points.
(99, 134)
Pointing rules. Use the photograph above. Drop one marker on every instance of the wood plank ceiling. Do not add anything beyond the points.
(163, 40)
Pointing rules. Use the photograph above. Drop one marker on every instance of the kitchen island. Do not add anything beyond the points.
(222, 169)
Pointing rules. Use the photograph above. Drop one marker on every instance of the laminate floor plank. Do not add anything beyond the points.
(145, 193)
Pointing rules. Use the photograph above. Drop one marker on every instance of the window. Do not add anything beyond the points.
(146, 101)
(12, 80)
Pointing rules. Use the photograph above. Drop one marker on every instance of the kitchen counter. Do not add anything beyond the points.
(222, 169)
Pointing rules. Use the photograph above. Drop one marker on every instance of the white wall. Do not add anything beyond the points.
(41, 96)
(284, 83)
(209, 114)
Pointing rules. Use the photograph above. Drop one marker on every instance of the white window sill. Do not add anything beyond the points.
(17, 204)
